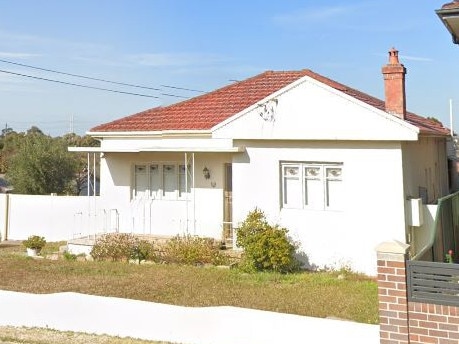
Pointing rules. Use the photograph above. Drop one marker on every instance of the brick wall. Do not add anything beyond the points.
(433, 323)
(403, 322)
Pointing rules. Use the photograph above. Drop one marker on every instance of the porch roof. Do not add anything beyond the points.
(158, 149)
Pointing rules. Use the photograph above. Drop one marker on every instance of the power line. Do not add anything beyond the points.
(79, 76)
(181, 88)
(102, 80)
(79, 85)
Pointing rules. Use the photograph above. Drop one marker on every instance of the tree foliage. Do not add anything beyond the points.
(41, 166)
(36, 163)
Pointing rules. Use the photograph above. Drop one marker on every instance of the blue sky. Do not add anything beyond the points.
(205, 44)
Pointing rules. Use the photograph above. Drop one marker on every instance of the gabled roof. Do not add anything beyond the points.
(450, 5)
(206, 111)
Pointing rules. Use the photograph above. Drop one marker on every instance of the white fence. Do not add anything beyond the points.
(60, 218)
(54, 217)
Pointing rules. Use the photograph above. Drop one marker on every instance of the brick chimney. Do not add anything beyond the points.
(394, 85)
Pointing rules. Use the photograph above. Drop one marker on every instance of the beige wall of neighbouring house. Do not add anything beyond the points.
(425, 165)
(373, 188)
(425, 175)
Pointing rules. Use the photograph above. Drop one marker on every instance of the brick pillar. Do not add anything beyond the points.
(392, 293)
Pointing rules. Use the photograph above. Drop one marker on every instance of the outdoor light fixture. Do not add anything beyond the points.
(206, 173)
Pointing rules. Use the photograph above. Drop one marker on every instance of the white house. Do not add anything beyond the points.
(338, 168)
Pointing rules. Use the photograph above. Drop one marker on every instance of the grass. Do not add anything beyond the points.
(24, 335)
(319, 294)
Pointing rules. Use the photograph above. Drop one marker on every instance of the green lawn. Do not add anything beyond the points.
(319, 294)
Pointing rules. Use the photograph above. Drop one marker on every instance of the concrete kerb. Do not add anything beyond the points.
(153, 321)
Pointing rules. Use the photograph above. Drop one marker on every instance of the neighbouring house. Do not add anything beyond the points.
(340, 169)
(449, 15)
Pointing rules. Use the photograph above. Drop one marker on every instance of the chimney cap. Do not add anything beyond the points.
(393, 56)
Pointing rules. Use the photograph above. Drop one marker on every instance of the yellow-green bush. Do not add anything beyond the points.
(192, 250)
(266, 247)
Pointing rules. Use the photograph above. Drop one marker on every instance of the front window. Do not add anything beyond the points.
(161, 181)
(312, 185)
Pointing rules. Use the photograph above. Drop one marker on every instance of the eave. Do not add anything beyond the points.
(151, 134)
(450, 18)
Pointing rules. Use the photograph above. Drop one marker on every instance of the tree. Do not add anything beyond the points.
(33, 130)
(9, 144)
(41, 165)
(81, 172)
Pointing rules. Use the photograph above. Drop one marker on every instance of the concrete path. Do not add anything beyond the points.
(153, 321)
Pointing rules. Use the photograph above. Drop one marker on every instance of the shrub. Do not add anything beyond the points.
(69, 256)
(142, 250)
(192, 250)
(114, 247)
(34, 242)
(266, 247)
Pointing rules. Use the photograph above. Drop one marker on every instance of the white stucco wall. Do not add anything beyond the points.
(201, 213)
(374, 206)
(314, 111)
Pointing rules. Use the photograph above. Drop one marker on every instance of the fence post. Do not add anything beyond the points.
(392, 293)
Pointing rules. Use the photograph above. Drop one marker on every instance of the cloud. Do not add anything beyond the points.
(11, 55)
(313, 15)
(409, 58)
(415, 58)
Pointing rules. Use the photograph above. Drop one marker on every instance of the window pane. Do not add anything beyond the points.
(313, 187)
(184, 182)
(170, 181)
(334, 188)
(313, 193)
(140, 181)
(292, 192)
(335, 194)
(155, 181)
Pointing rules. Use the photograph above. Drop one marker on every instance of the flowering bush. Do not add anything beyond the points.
(119, 247)
(34, 242)
(449, 257)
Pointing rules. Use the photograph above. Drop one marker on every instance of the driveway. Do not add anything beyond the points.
(154, 321)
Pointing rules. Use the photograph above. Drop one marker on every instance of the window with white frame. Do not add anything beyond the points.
(312, 185)
(161, 181)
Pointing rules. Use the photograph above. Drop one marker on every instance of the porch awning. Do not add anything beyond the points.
(158, 149)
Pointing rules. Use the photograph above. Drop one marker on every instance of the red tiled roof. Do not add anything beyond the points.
(450, 5)
(206, 111)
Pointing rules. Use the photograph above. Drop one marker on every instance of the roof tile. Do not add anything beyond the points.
(206, 111)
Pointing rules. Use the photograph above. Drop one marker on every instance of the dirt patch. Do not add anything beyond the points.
(23, 335)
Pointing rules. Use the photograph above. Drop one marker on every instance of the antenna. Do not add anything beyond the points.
(451, 117)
